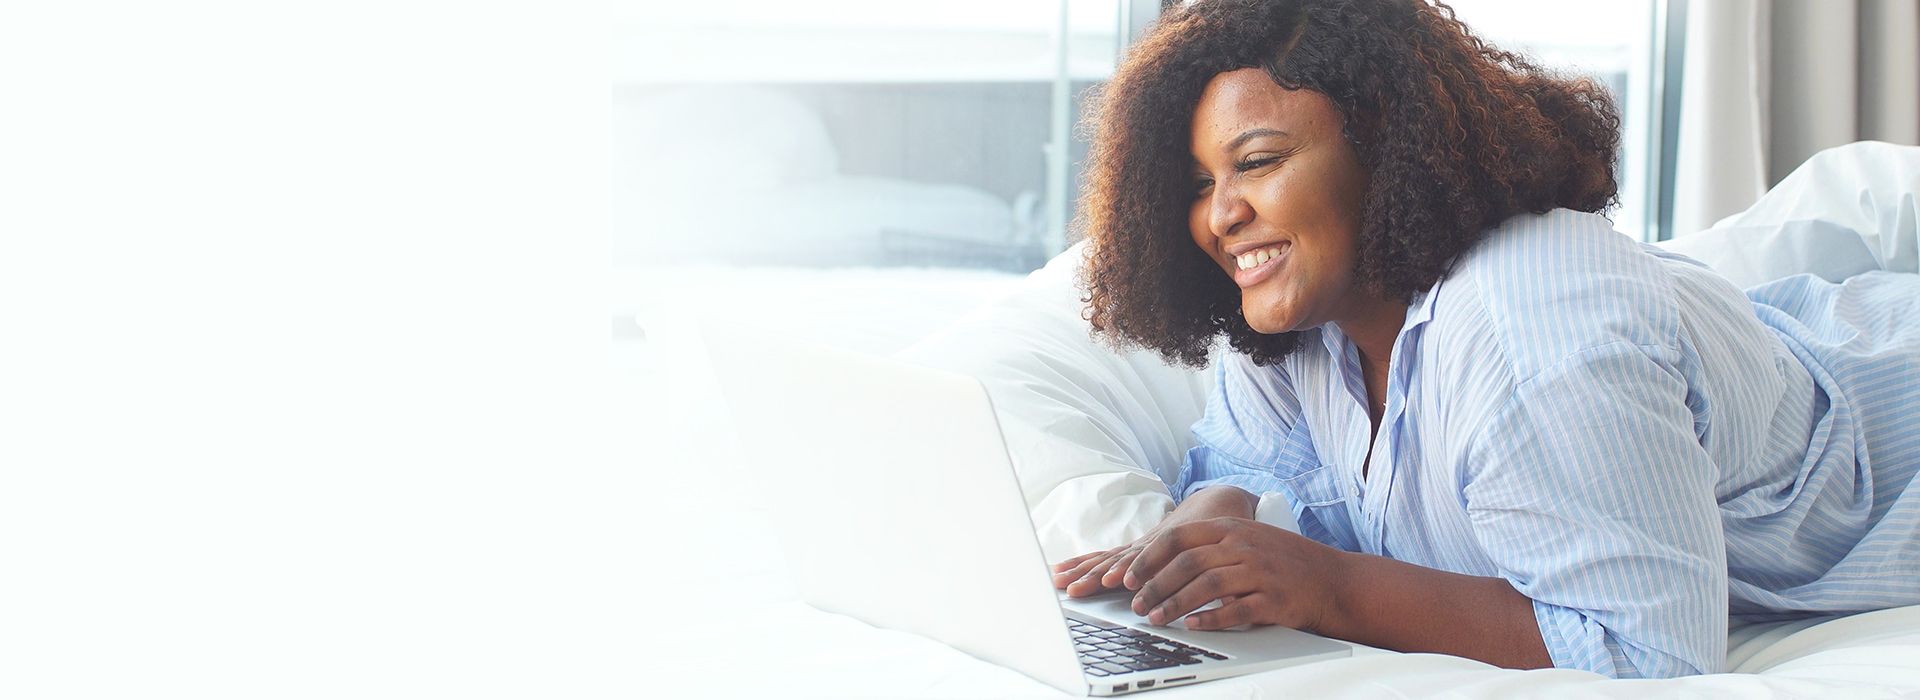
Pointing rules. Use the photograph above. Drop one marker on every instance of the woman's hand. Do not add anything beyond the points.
(1262, 574)
(1095, 572)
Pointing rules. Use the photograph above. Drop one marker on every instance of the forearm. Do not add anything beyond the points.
(1405, 607)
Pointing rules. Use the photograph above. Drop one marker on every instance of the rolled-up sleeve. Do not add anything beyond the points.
(1250, 435)
(1592, 495)
(1204, 468)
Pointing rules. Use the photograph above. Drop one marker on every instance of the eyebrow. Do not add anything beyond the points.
(1246, 136)
(1252, 134)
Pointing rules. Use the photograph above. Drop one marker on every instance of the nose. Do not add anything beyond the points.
(1227, 210)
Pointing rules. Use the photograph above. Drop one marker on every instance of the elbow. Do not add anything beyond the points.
(1575, 640)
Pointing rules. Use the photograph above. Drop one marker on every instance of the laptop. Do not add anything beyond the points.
(897, 504)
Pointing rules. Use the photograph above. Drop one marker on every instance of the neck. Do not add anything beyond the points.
(1373, 324)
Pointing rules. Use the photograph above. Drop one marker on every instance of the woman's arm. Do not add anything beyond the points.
(1395, 605)
(1273, 576)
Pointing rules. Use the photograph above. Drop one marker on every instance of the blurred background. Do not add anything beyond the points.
(877, 133)
(842, 156)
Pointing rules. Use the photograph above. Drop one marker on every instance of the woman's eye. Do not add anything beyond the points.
(1254, 164)
(1200, 185)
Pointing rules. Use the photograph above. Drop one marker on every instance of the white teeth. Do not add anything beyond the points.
(1255, 258)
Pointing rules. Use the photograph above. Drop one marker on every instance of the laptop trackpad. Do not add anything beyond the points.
(1117, 606)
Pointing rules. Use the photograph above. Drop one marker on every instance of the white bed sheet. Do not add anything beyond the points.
(721, 588)
(730, 594)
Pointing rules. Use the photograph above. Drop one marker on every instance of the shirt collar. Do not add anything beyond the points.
(1419, 312)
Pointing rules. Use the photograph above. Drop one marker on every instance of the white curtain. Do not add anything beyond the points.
(1768, 83)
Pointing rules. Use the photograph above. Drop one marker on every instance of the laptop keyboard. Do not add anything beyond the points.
(1110, 651)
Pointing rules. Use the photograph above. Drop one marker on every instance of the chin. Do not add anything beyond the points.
(1275, 314)
(1265, 326)
(1273, 322)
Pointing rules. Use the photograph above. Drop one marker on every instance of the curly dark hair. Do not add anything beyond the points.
(1456, 136)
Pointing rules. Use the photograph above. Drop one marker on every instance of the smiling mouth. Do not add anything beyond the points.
(1259, 273)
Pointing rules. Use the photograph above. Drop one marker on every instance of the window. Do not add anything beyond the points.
(1614, 43)
(852, 132)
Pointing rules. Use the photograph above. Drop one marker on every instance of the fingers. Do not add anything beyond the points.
(1177, 574)
(1212, 583)
(1092, 576)
(1089, 583)
(1233, 612)
(1172, 542)
(1107, 576)
(1209, 585)
(1115, 574)
(1079, 568)
(1071, 563)
(1066, 579)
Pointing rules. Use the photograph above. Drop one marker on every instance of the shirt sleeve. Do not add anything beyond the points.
(1592, 495)
(1251, 434)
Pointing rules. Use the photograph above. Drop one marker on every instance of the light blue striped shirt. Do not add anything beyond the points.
(1633, 443)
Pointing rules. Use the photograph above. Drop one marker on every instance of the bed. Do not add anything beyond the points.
(1096, 434)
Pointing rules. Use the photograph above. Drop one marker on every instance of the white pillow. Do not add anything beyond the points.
(1095, 435)
(837, 221)
(1846, 210)
(684, 140)
(734, 174)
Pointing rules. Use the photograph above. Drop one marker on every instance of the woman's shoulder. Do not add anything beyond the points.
(1547, 286)
(1562, 238)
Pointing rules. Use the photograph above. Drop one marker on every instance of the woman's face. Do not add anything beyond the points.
(1273, 173)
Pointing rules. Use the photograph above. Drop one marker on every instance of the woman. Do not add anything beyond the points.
(1507, 432)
